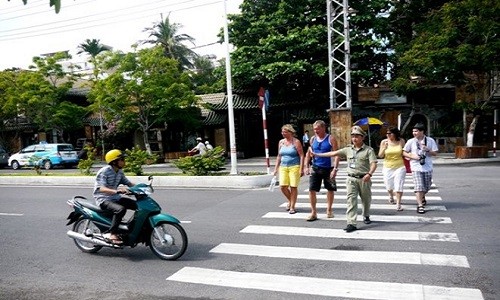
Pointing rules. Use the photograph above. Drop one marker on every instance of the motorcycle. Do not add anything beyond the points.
(160, 231)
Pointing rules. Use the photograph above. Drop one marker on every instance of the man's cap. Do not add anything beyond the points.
(357, 130)
(198, 138)
(207, 142)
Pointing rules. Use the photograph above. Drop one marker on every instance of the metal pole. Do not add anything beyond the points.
(264, 127)
(495, 125)
(232, 136)
(332, 96)
(347, 56)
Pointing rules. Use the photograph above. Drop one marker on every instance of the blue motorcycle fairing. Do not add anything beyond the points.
(155, 219)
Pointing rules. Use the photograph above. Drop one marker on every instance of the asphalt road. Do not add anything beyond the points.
(39, 261)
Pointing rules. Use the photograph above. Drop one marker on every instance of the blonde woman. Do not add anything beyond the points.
(289, 162)
(394, 171)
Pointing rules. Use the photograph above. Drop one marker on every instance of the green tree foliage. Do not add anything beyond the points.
(45, 101)
(146, 90)
(457, 44)
(284, 44)
(38, 96)
(206, 77)
(136, 158)
(55, 3)
(370, 45)
(281, 43)
(85, 164)
(166, 35)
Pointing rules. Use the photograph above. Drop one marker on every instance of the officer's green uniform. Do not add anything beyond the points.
(358, 165)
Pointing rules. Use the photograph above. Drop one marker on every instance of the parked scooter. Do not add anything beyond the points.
(161, 232)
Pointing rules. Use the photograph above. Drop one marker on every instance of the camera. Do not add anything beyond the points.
(421, 159)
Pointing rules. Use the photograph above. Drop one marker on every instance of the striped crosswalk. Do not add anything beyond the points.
(382, 212)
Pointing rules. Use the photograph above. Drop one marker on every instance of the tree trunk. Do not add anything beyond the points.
(472, 129)
(146, 142)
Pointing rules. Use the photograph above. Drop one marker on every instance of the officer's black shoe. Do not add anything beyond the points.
(350, 228)
(367, 220)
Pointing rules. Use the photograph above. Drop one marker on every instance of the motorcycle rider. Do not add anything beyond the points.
(107, 191)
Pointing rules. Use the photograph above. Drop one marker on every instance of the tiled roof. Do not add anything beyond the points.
(215, 118)
(306, 114)
(211, 99)
(82, 91)
(239, 102)
(92, 121)
(252, 102)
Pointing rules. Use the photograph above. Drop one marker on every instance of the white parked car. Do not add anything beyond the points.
(45, 155)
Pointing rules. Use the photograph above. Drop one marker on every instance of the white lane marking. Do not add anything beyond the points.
(11, 214)
(341, 188)
(372, 206)
(409, 191)
(374, 197)
(384, 257)
(322, 286)
(358, 234)
(374, 218)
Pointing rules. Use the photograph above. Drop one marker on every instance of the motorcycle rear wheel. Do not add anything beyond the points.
(168, 241)
(81, 226)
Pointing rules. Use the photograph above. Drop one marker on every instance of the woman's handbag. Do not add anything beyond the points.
(407, 165)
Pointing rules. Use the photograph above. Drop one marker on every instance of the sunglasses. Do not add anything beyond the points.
(388, 133)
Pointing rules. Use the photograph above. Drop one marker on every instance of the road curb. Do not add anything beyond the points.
(206, 182)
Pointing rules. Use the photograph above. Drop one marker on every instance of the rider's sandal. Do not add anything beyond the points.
(115, 241)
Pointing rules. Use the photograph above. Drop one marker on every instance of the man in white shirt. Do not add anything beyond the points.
(420, 150)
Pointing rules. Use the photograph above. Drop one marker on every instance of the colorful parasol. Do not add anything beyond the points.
(368, 124)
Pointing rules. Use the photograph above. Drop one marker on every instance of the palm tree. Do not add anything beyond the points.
(93, 47)
(165, 34)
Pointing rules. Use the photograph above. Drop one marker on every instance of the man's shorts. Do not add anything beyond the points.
(422, 181)
(319, 175)
(289, 176)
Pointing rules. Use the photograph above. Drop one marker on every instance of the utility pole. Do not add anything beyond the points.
(232, 136)
(339, 67)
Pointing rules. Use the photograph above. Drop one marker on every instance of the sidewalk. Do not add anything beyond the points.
(441, 159)
(209, 182)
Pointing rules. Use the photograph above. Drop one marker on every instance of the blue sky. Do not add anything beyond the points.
(34, 29)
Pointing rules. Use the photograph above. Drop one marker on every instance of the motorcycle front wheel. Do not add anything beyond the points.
(168, 241)
(86, 227)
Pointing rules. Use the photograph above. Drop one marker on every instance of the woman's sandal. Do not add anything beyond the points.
(421, 209)
(292, 211)
(399, 208)
(391, 201)
(288, 207)
(312, 218)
